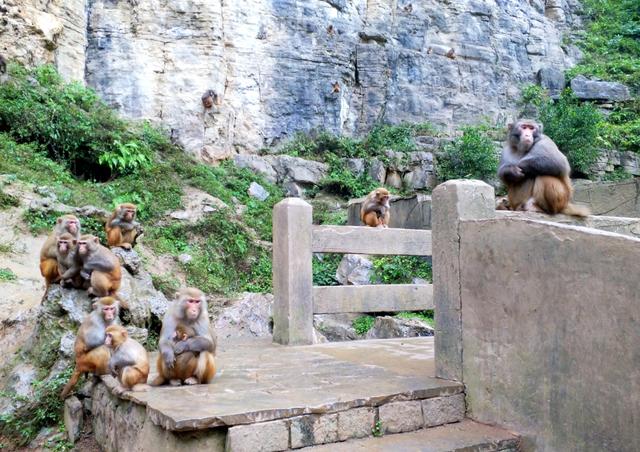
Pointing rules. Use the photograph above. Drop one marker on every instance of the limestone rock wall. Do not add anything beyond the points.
(282, 66)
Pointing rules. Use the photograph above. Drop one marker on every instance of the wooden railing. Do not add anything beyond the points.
(295, 240)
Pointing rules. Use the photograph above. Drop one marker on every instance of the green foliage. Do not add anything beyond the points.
(324, 269)
(166, 284)
(618, 175)
(341, 181)
(71, 124)
(363, 324)
(622, 127)
(572, 125)
(44, 408)
(41, 222)
(611, 44)
(425, 316)
(471, 156)
(400, 269)
(7, 275)
(126, 158)
(377, 430)
(7, 201)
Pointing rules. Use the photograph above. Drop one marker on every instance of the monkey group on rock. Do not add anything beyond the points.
(102, 347)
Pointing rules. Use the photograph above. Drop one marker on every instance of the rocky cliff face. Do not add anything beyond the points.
(280, 66)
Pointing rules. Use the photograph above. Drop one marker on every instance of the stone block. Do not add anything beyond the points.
(586, 89)
(263, 437)
(356, 423)
(398, 417)
(453, 201)
(443, 410)
(292, 273)
(551, 79)
(311, 430)
(73, 418)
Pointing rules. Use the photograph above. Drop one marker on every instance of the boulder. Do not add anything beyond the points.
(552, 80)
(249, 315)
(73, 418)
(257, 164)
(129, 259)
(387, 327)
(336, 327)
(257, 191)
(586, 89)
(354, 269)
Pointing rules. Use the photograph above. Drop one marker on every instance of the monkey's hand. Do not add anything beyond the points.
(181, 347)
(512, 173)
(169, 358)
(85, 274)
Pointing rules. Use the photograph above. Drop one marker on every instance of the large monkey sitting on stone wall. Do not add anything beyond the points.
(535, 172)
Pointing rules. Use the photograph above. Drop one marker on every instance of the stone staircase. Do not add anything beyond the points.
(361, 395)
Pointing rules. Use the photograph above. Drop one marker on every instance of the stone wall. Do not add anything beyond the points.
(280, 66)
(550, 332)
(618, 199)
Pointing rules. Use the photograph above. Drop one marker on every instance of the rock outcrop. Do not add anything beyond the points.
(281, 66)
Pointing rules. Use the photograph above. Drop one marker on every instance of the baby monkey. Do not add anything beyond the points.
(129, 361)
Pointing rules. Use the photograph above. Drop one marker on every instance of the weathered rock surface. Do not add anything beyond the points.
(386, 327)
(586, 89)
(336, 327)
(197, 204)
(616, 199)
(129, 259)
(284, 66)
(354, 269)
(73, 418)
(247, 316)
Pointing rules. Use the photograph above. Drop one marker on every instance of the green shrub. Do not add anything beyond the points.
(324, 269)
(618, 175)
(71, 123)
(400, 269)
(341, 181)
(7, 275)
(471, 156)
(572, 125)
(7, 201)
(363, 324)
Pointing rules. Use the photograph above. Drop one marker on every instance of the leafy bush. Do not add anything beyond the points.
(7, 275)
(611, 44)
(400, 269)
(324, 269)
(74, 127)
(572, 125)
(471, 156)
(363, 324)
(618, 175)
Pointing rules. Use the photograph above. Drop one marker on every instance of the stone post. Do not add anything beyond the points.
(292, 274)
(453, 201)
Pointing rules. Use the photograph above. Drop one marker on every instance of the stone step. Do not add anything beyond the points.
(465, 436)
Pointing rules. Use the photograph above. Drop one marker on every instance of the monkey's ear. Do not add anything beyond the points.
(95, 304)
(96, 239)
(540, 129)
(510, 126)
(59, 220)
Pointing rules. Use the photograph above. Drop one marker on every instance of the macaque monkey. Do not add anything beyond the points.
(375, 209)
(48, 254)
(100, 266)
(186, 316)
(92, 355)
(129, 361)
(68, 261)
(210, 98)
(535, 172)
(122, 227)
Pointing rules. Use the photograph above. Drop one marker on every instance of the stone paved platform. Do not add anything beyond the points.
(258, 381)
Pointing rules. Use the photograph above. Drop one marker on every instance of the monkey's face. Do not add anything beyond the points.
(72, 225)
(192, 308)
(108, 340)
(109, 312)
(128, 214)
(83, 247)
(63, 246)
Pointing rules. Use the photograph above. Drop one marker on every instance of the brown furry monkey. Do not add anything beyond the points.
(375, 210)
(122, 227)
(91, 354)
(48, 257)
(100, 266)
(129, 361)
(535, 172)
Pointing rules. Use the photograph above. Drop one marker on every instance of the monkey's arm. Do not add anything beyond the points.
(94, 337)
(71, 272)
(119, 361)
(508, 171)
(165, 344)
(544, 159)
(195, 344)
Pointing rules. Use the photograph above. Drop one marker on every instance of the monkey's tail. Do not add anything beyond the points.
(576, 211)
(206, 367)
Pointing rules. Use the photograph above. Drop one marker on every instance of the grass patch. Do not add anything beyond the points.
(7, 201)
(363, 324)
(425, 316)
(618, 175)
(7, 275)
(324, 269)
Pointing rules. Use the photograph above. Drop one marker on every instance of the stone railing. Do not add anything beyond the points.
(295, 239)
(539, 320)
